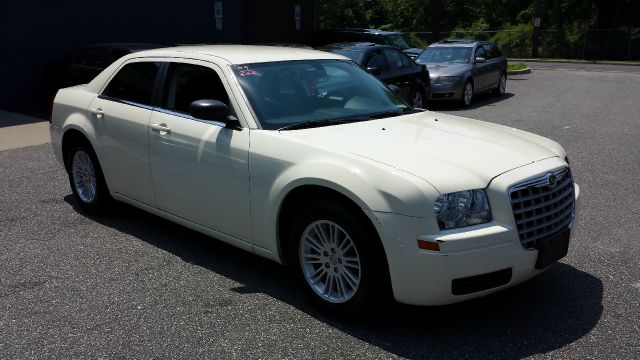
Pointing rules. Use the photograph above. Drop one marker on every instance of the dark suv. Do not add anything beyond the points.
(460, 69)
(393, 38)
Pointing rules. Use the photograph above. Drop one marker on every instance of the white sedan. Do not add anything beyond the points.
(304, 158)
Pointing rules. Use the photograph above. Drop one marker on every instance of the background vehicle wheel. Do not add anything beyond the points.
(502, 86)
(86, 179)
(467, 93)
(337, 256)
(417, 99)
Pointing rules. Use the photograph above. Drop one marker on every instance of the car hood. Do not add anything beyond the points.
(436, 70)
(449, 152)
(412, 51)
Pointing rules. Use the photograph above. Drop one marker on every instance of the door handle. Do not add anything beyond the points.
(97, 112)
(162, 128)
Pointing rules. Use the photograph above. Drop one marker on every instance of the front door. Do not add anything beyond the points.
(200, 168)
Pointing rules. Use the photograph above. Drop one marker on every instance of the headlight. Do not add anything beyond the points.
(448, 79)
(462, 208)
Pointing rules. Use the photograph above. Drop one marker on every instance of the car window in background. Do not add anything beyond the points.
(394, 58)
(377, 61)
(398, 40)
(480, 52)
(93, 57)
(447, 54)
(489, 52)
(134, 83)
(286, 93)
(187, 83)
(496, 51)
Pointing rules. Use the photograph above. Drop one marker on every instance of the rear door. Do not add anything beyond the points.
(200, 168)
(399, 72)
(120, 117)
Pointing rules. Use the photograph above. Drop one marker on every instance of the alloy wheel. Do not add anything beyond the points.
(84, 176)
(330, 261)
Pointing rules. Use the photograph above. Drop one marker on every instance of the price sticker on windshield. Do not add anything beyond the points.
(244, 70)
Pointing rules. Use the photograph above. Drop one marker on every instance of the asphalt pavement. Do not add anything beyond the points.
(131, 285)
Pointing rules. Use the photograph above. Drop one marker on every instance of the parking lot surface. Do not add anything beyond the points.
(132, 285)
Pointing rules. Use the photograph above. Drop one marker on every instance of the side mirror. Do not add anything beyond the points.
(480, 60)
(394, 88)
(374, 70)
(209, 109)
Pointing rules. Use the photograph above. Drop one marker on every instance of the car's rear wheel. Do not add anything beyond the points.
(86, 179)
(338, 258)
(502, 86)
(467, 93)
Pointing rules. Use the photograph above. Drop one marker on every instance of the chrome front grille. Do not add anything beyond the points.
(543, 206)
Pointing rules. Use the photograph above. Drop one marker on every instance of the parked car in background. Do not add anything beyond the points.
(87, 63)
(392, 38)
(304, 158)
(391, 66)
(461, 69)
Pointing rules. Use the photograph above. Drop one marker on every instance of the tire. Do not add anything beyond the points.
(417, 99)
(466, 97)
(355, 262)
(87, 180)
(502, 86)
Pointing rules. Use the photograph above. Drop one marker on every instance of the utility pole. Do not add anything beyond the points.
(535, 41)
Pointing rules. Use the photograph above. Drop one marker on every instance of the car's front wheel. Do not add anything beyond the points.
(467, 93)
(86, 179)
(338, 258)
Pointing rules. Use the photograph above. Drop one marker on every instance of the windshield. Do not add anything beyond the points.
(399, 41)
(288, 93)
(431, 55)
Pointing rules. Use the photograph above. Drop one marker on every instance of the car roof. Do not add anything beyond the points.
(242, 54)
(357, 46)
(363, 30)
(133, 47)
(457, 43)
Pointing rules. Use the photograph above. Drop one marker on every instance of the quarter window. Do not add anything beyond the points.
(187, 83)
(134, 83)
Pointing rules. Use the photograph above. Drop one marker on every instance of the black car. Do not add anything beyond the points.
(391, 66)
(89, 62)
(461, 69)
(393, 38)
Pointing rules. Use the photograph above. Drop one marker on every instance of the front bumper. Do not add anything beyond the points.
(445, 91)
(423, 277)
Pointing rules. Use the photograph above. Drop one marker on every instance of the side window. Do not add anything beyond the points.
(480, 52)
(496, 51)
(187, 83)
(134, 82)
(377, 60)
(394, 58)
(489, 51)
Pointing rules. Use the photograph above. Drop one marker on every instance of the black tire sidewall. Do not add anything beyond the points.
(373, 288)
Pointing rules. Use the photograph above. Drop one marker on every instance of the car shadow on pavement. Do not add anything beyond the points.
(481, 100)
(551, 311)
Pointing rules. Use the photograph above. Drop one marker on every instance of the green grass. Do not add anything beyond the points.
(516, 67)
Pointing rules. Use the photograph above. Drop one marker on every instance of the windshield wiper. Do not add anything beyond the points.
(328, 122)
(319, 123)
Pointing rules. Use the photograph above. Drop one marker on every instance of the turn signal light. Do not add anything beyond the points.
(428, 245)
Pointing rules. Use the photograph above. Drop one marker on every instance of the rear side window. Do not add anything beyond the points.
(394, 58)
(134, 83)
(377, 61)
(187, 83)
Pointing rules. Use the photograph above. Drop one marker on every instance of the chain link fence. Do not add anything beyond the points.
(600, 44)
